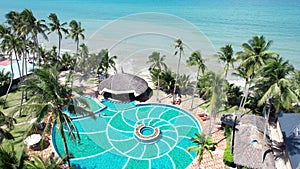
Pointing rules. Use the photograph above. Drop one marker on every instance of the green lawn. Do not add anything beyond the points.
(20, 127)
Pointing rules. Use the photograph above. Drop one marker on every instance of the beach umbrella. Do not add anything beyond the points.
(33, 139)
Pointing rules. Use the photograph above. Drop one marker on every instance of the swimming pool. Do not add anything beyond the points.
(94, 106)
(139, 136)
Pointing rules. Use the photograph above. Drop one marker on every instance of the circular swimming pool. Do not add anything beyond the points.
(140, 136)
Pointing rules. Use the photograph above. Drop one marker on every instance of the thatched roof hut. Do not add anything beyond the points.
(123, 84)
(249, 143)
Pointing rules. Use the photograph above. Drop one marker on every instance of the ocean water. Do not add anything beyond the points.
(215, 23)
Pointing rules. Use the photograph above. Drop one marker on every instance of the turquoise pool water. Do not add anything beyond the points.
(93, 105)
(147, 131)
(108, 141)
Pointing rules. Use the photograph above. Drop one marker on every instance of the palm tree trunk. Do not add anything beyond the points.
(22, 81)
(266, 114)
(157, 87)
(195, 88)
(63, 136)
(59, 43)
(241, 107)
(174, 91)
(66, 149)
(16, 56)
(246, 96)
(11, 79)
(36, 51)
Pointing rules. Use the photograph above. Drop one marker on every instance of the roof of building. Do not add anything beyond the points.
(249, 145)
(122, 84)
(288, 123)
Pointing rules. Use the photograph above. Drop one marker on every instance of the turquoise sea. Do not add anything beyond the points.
(221, 21)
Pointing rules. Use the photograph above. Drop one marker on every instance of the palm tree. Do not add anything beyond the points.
(106, 63)
(13, 20)
(217, 98)
(241, 71)
(3, 31)
(56, 26)
(196, 60)
(159, 64)
(253, 56)
(83, 58)
(8, 122)
(204, 144)
(10, 44)
(178, 49)
(186, 85)
(275, 76)
(50, 95)
(4, 78)
(296, 80)
(226, 55)
(67, 62)
(33, 26)
(76, 32)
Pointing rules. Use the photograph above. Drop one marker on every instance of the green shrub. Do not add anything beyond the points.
(228, 157)
(227, 131)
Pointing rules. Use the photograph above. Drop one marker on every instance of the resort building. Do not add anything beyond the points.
(290, 127)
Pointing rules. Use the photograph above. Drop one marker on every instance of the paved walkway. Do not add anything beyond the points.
(282, 161)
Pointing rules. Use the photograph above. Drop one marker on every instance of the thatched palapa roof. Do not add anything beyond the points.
(248, 143)
(123, 83)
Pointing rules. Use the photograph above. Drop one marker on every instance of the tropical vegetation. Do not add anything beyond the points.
(268, 80)
(203, 144)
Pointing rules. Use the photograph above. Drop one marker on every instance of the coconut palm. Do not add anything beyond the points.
(204, 144)
(4, 78)
(217, 98)
(13, 20)
(186, 85)
(3, 31)
(6, 124)
(253, 56)
(59, 28)
(67, 62)
(83, 58)
(241, 71)
(167, 80)
(10, 45)
(275, 76)
(76, 32)
(296, 80)
(157, 62)
(196, 60)
(106, 62)
(205, 85)
(226, 55)
(51, 96)
(178, 49)
(33, 26)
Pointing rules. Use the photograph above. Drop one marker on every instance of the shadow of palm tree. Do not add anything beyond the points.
(291, 145)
